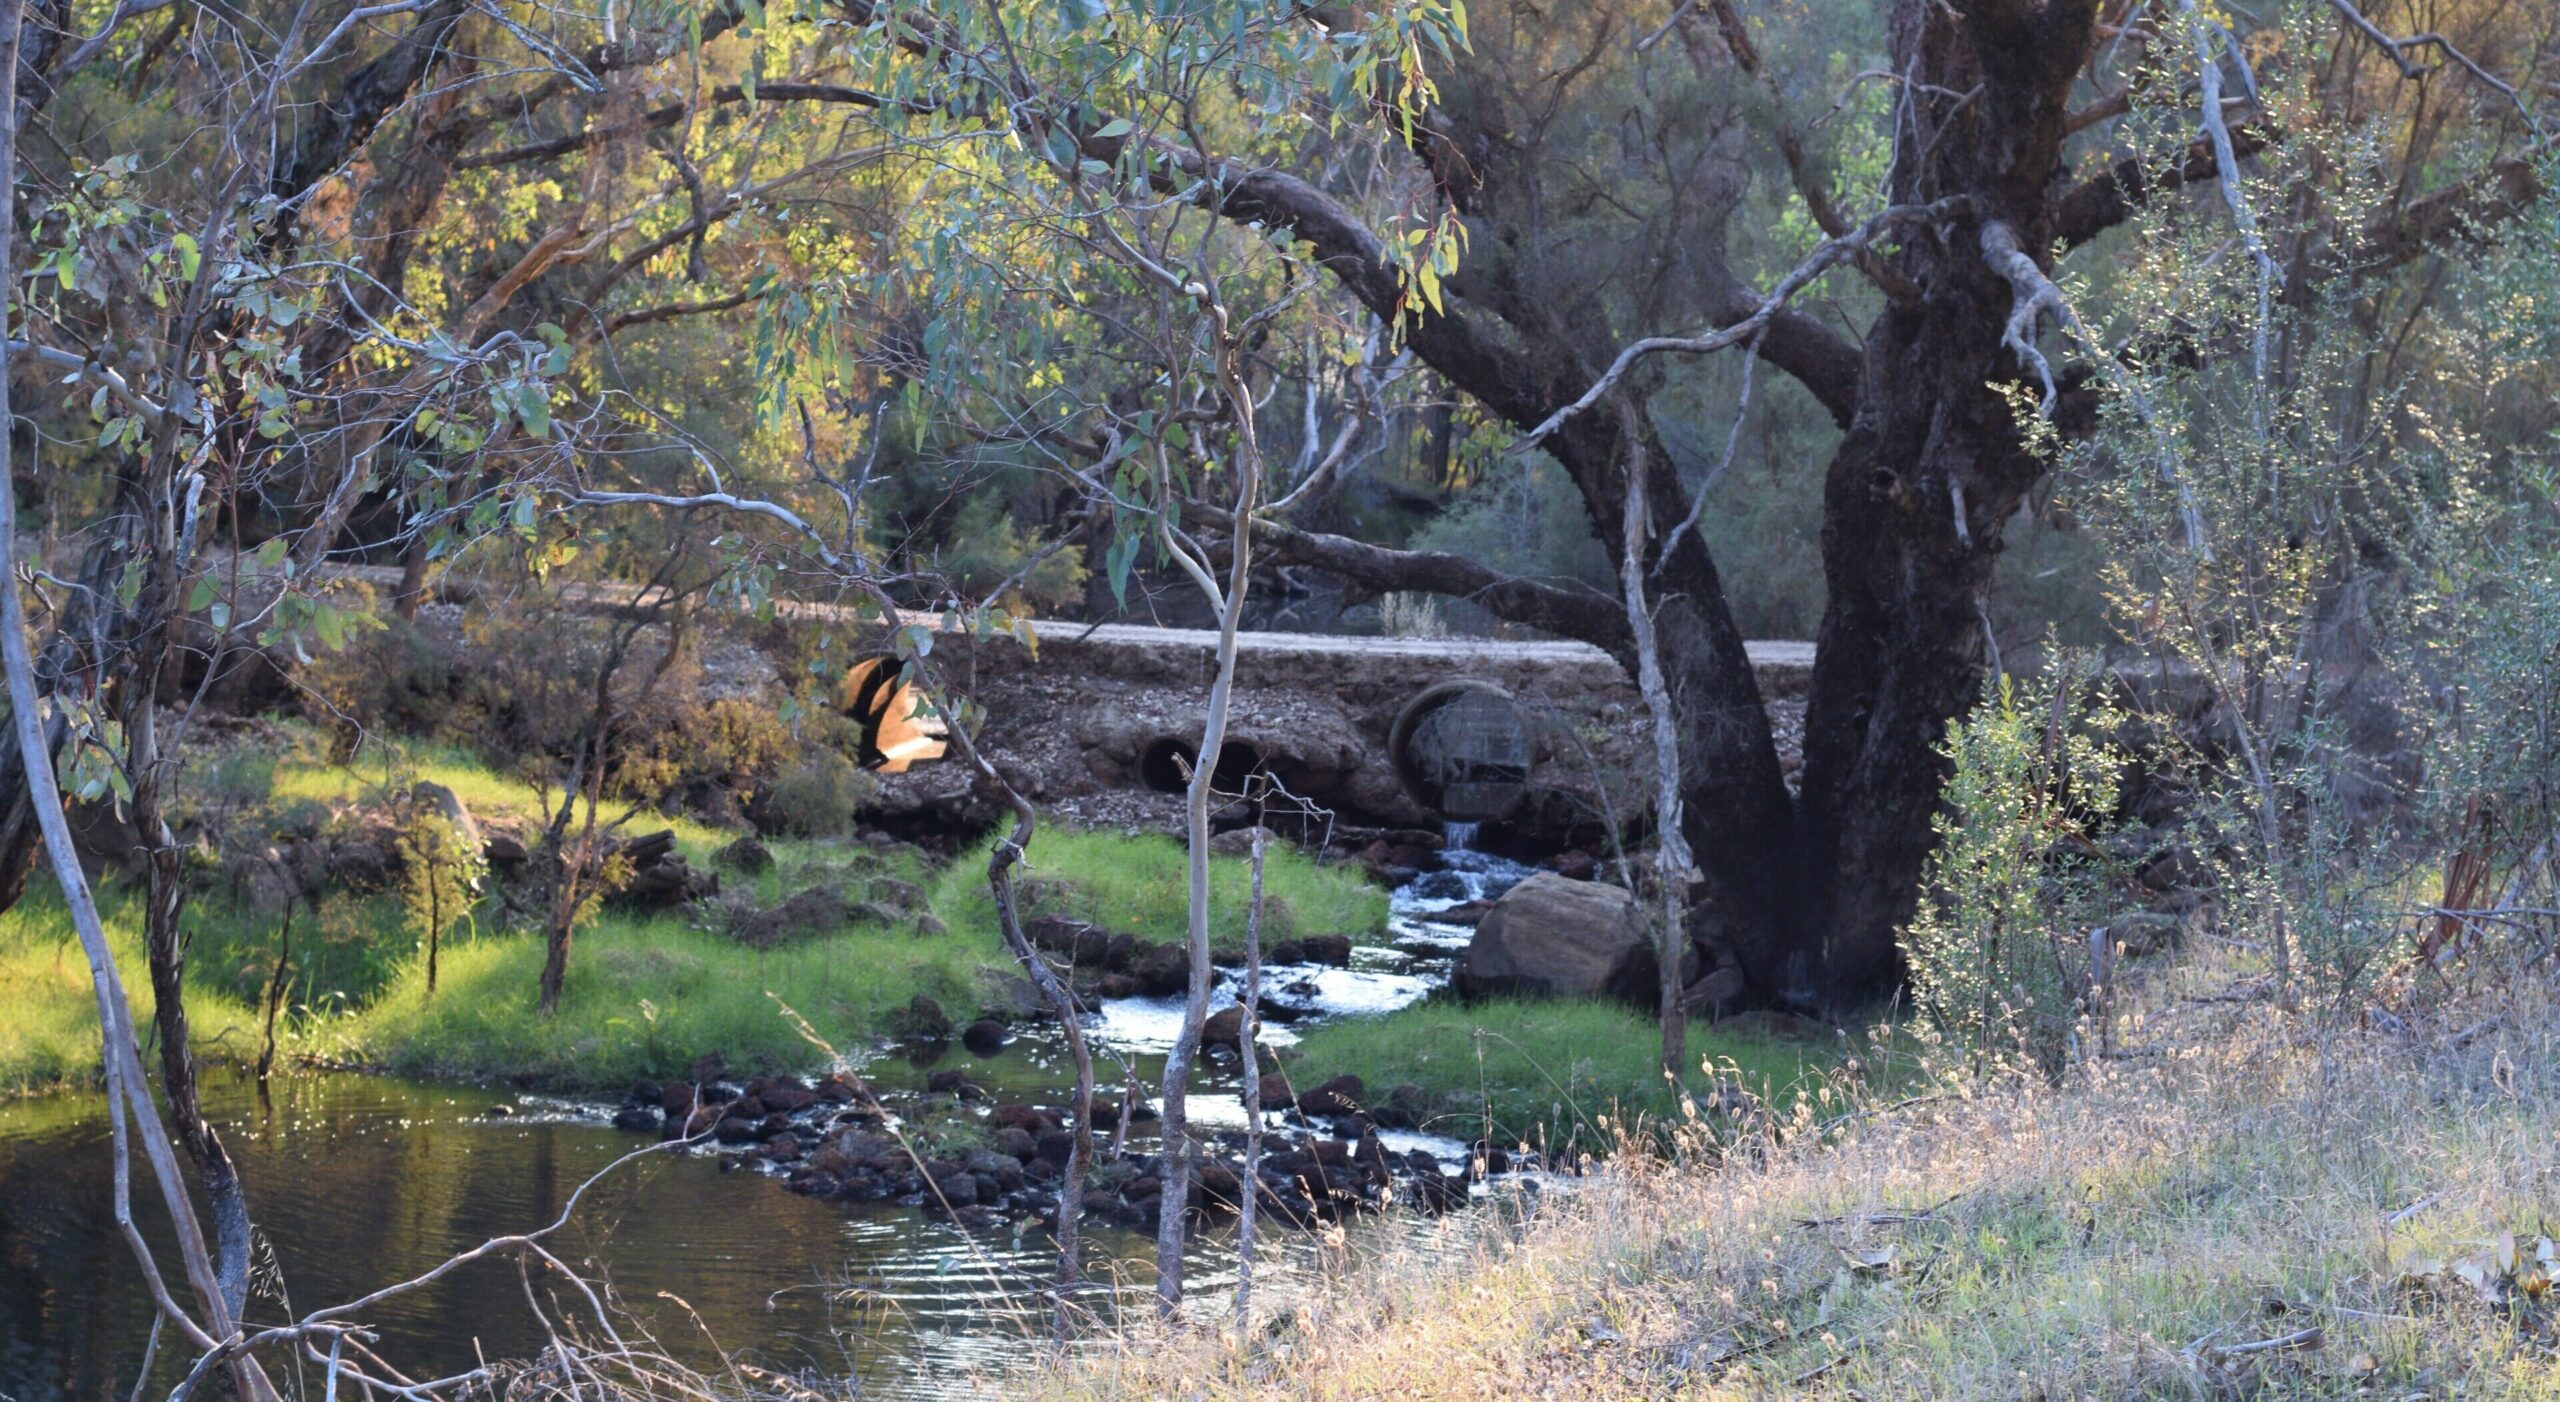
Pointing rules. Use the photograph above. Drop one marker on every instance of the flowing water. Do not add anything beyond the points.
(358, 1180)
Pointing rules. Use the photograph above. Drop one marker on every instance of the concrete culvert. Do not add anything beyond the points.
(1462, 750)
(1165, 765)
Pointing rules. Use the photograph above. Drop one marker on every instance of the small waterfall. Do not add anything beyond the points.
(1458, 837)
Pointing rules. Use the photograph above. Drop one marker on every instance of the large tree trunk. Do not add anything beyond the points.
(1933, 467)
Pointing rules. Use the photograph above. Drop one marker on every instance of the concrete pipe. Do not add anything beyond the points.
(1462, 750)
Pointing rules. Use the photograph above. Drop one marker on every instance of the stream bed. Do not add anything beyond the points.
(359, 1180)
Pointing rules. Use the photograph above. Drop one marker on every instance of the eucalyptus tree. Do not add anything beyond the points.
(1559, 211)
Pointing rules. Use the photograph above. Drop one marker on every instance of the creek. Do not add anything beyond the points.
(359, 1180)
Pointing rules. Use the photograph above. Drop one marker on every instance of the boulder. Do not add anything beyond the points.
(1340, 1096)
(1552, 936)
(897, 895)
(745, 854)
(1314, 949)
(449, 805)
(1709, 997)
(1238, 842)
(1081, 942)
(1161, 970)
(636, 1119)
(985, 1037)
(929, 926)
(1224, 1028)
(814, 911)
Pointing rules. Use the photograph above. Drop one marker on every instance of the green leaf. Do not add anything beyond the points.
(533, 405)
(189, 257)
(331, 625)
(1117, 126)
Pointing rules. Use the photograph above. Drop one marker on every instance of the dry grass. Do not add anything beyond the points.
(2132, 1231)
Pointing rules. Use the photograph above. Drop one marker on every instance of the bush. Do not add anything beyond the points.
(1997, 947)
(816, 797)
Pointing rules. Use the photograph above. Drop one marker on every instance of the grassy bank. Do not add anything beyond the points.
(2278, 1208)
(646, 993)
(1545, 1071)
(49, 1009)
(1140, 885)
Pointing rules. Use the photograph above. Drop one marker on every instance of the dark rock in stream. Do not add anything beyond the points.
(1161, 970)
(985, 1037)
(636, 1119)
(1029, 1118)
(1340, 1096)
(1314, 949)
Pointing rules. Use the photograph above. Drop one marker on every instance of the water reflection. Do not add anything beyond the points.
(356, 1181)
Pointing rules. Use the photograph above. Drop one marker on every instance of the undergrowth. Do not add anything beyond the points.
(2272, 1206)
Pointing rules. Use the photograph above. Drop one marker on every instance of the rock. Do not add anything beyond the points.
(958, 1188)
(1161, 970)
(1054, 1146)
(903, 896)
(1574, 864)
(1238, 842)
(1439, 886)
(449, 805)
(505, 851)
(636, 1119)
(781, 1148)
(1552, 936)
(746, 854)
(707, 1068)
(660, 877)
(646, 1093)
(1106, 1112)
(814, 911)
(921, 1020)
(1224, 1027)
(1026, 1117)
(788, 1096)
(1334, 950)
(733, 1130)
(929, 926)
(985, 1037)
(1021, 1145)
(1111, 986)
(1275, 1094)
(1402, 1107)
(1082, 942)
(1710, 996)
(840, 1088)
(1340, 1096)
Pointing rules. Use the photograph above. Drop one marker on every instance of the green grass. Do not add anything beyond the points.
(1139, 885)
(49, 1013)
(1542, 1070)
(645, 996)
(646, 993)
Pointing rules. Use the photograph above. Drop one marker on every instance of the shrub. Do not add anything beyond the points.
(1998, 948)
(816, 797)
